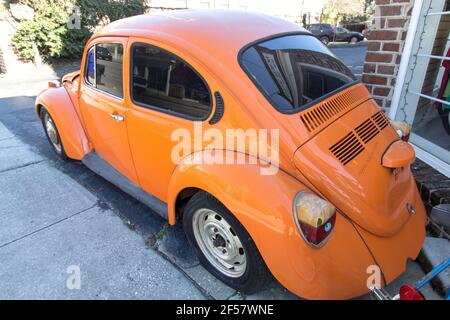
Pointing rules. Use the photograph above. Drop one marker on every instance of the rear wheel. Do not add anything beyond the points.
(222, 244)
(325, 40)
(52, 133)
(353, 40)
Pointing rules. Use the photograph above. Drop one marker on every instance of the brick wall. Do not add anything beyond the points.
(386, 40)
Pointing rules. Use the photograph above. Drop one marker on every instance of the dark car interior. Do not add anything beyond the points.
(161, 80)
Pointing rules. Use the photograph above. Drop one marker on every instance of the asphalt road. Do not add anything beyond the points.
(17, 115)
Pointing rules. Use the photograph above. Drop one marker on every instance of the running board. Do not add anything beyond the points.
(105, 170)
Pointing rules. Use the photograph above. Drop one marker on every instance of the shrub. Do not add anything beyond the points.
(49, 34)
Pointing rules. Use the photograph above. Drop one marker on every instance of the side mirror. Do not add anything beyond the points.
(441, 215)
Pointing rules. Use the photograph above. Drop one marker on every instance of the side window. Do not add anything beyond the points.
(90, 67)
(161, 80)
(108, 65)
(104, 68)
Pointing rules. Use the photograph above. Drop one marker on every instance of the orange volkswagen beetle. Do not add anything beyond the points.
(331, 199)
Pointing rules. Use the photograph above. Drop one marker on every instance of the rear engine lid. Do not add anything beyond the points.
(344, 162)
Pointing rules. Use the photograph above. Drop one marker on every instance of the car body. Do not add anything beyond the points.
(324, 31)
(328, 33)
(344, 35)
(336, 148)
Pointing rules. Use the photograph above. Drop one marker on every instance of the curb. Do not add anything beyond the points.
(347, 45)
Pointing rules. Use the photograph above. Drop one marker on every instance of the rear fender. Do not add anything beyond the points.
(60, 106)
(264, 206)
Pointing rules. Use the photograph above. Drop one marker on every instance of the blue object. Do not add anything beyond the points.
(433, 273)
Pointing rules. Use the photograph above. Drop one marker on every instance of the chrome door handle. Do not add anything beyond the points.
(117, 117)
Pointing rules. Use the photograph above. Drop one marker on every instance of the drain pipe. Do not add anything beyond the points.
(406, 56)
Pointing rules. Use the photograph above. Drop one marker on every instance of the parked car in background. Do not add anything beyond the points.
(341, 197)
(344, 35)
(328, 33)
(323, 31)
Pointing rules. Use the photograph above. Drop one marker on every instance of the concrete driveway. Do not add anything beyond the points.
(58, 220)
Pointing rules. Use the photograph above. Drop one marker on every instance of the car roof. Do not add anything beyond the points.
(217, 32)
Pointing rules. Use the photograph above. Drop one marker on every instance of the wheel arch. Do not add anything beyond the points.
(261, 203)
(264, 206)
(182, 199)
(58, 103)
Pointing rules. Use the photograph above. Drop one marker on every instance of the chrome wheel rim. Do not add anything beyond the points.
(353, 40)
(219, 243)
(52, 133)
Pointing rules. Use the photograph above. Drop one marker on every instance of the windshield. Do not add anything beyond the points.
(293, 72)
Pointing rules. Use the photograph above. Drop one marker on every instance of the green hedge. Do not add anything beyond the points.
(48, 32)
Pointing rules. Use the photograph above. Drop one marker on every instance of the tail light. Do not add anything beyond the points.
(315, 217)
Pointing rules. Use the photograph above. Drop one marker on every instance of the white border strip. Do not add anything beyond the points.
(431, 98)
(434, 57)
(442, 13)
(432, 161)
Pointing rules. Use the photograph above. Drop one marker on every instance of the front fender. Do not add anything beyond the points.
(60, 106)
(264, 206)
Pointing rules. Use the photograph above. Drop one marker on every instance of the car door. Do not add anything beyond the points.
(342, 34)
(167, 94)
(103, 106)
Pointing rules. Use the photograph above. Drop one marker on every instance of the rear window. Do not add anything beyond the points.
(293, 72)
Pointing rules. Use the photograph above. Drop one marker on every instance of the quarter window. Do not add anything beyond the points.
(104, 68)
(90, 66)
(163, 81)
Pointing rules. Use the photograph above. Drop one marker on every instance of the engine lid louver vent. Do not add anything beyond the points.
(319, 115)
(367, 130)
(346, 149)
(380, 119)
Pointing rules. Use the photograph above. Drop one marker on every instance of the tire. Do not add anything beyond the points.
(325, 40)
(353, 40)
(445, 116)
(52, 134)
(249, 273)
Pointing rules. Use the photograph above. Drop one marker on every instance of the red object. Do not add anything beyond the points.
(445, 78)
(316, 235)
(410, 293)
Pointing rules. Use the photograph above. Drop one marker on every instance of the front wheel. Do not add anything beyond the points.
(325, 40)
(222, 244)
(353, 40)
(52, 133)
